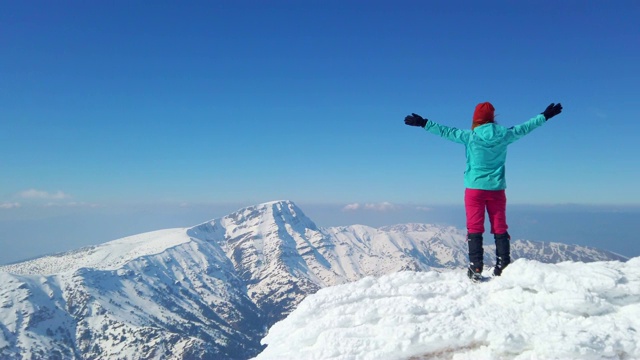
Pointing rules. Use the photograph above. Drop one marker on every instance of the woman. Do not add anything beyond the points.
(486, 148)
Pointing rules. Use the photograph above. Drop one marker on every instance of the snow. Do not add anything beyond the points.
(108, 256)
(568, 310)
(230, 278)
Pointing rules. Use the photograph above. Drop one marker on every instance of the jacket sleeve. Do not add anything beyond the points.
(449, 133)
(516, 132)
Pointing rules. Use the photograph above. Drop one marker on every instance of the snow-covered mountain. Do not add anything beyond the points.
(212, 290)
(141, 297)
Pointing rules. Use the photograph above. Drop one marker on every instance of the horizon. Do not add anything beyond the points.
(568, 223)
(121, 117)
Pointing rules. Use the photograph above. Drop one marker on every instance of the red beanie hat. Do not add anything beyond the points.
(483, 114)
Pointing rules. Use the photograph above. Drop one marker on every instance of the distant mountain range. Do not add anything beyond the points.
(211, 291)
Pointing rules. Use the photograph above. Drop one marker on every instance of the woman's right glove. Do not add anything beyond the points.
(552, 110)
(415, 120)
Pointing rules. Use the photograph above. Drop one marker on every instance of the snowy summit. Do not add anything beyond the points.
(568, 310)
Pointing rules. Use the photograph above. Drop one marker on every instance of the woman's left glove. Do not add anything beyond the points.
(415, 120)
(552, 110)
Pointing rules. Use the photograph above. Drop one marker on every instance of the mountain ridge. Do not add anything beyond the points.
(214, 288)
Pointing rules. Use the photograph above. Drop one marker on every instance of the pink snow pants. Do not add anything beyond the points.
(494, 202)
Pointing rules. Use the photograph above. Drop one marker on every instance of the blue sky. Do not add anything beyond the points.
(110, 106)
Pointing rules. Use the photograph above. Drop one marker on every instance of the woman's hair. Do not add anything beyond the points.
(477, 123)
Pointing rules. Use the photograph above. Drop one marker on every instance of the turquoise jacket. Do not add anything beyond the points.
(486, 148)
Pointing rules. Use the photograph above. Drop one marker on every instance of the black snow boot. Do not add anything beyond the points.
(503, 257)
(476, 256)
(474, 274)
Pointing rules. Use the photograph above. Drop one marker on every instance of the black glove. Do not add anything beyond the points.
(415, 120)
(552, 110)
